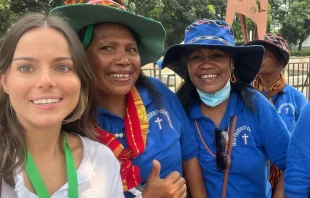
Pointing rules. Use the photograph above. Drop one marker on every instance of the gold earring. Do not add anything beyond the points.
(233, 78)
(11, 110)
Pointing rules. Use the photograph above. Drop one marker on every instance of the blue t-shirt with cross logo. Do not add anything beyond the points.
(170, 138)
(289, 104)
(258, 137)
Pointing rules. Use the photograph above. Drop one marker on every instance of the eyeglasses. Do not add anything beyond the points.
(221, 142)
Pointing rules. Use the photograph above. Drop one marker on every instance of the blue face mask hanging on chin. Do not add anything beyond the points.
(217, 98)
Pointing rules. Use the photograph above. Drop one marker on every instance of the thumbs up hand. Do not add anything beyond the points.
(173, 186)
(155, 174)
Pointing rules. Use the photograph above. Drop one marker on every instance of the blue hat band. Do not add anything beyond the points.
(211, 40)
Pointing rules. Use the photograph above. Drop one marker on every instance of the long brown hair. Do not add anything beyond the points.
(13, 146)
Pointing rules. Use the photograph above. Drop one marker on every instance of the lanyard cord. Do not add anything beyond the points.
(37, 181)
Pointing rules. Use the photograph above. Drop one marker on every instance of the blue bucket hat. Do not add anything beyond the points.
(215, 34)
(159, 64)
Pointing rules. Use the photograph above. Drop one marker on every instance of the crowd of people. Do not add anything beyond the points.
(80, 119)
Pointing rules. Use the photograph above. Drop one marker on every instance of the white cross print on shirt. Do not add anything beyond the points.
(286, 109)
(158, 120)
(245, 137)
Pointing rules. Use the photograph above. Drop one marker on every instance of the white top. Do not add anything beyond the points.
(98, 176)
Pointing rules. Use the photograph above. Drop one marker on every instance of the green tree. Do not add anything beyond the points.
(293, 25)
(219, 8)
(11, 10)
(26, 6)
(6, 17)
(278, 11)
(175, 15)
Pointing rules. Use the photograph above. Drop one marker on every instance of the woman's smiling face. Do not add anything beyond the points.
(115, 59)
(209, 69)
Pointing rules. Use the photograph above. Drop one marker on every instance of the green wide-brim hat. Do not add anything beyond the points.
(151, 33)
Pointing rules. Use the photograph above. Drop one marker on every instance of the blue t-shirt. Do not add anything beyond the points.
(297, 173)
(258, 137)
(170, 138)
(289, 105)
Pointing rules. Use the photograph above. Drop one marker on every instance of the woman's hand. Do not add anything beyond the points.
(173, 186)
(279, 192)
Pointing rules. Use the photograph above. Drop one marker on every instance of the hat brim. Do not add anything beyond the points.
(284, 53)
(248, 59)
(151, 33)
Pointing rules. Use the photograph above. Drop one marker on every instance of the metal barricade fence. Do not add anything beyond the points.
(297, 74)
(168, 77)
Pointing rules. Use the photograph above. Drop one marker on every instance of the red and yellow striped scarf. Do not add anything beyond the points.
(136, 127)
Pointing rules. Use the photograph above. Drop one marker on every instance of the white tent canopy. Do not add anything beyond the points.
(306, 44)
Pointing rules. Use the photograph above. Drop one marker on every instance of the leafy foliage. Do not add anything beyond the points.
(285, 17)
(293, 25)
(300, 53)
(11, 10)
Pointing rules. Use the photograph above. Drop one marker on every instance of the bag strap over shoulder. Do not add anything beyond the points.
(231, 135)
